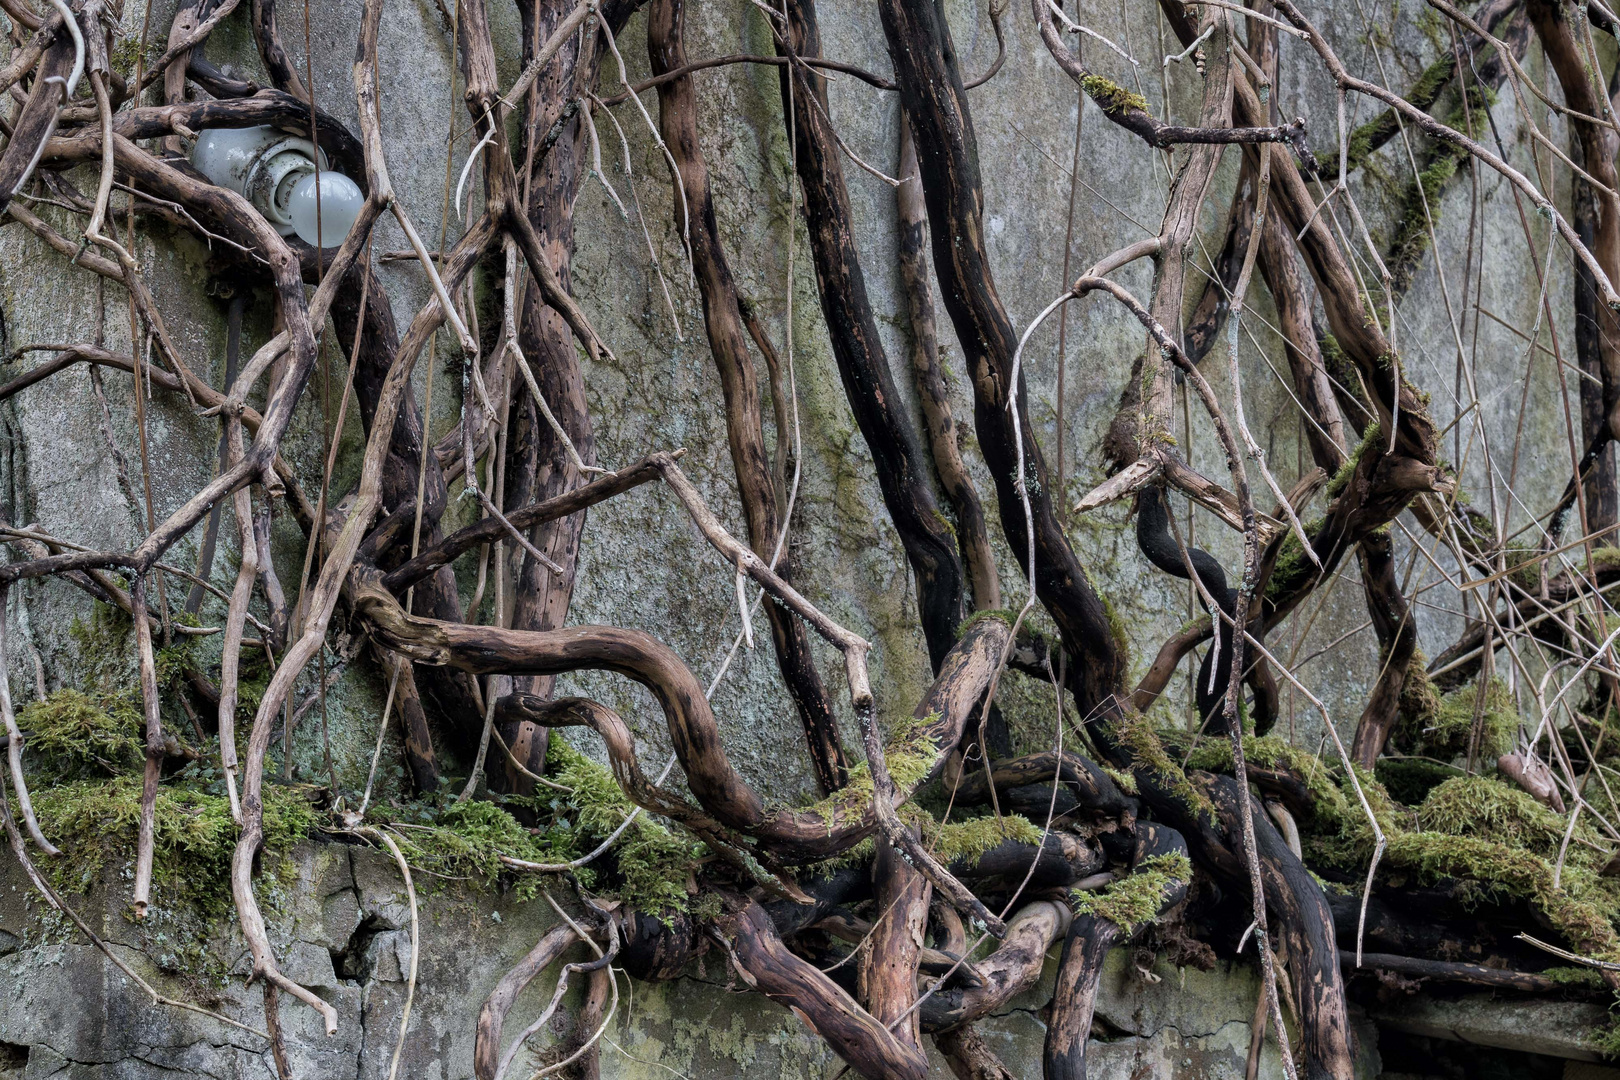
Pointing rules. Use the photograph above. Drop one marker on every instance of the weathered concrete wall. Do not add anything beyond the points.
(343, 930)
(643, 565)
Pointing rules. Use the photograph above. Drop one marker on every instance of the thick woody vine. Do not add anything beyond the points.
(942, 866)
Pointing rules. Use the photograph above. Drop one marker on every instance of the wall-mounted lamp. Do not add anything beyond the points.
(277, 173)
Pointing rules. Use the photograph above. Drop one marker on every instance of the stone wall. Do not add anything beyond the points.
(64, 1011)
(341, 926)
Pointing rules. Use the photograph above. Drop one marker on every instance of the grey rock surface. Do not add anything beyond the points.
(340, 924)
(339, 919)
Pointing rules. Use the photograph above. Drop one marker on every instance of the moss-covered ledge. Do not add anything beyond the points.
(339, 921)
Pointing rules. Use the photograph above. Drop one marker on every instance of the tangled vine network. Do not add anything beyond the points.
(1478, 781)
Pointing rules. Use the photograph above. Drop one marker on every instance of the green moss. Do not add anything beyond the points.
(1116, 628)
(1605, 558)
(1420, 702)
(95, 823)
(1524, 565)
(1491, 842)
(1125, 781)
(1582, 908)
(1275, 754)
(1134, 901)
(1605, 1041)
(910, 754)
(1135, 733)
(968, 840)
(1368, 137)
(654, 862)
(1110, 96)
(1292, 568)
(1583, 978)
(1446, 735)
(649, 867)
(467, 840)
(1341, 478)
(72, 729)
(1341, 834)
(1005, 615)
(1410, 780)
(1488, 809)
(1411, 237)
(107, 630)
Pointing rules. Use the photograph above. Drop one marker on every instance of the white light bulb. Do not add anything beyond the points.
(340, 203)
(225, 155)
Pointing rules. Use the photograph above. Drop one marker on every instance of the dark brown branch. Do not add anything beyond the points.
(1085, 947)
(887, 971)
(489, 530)
(728, 342)
(897, 457)
(852, 1032)
(1014, 967)
(1450, 971)
(936, 106)
(1092, 788)
(688, 67)
(33, 126)
(1393, 621)
(1117, 104)
(487, 1040)
(806, 835)
(932, 390)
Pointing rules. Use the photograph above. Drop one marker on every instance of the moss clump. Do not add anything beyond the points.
(72, 729)
(108, 629)
(1341, 478)
(1605, 1041)
(648, 867)
(1005, 615)
(1134, 901)
(968, 840)
(467, 840)
(1135, 733)
(1583, 907)
(1409, 780)
(653, 862)
(95, 822)
(1524, 565)
(1488, 809)
(1125, 781)
(1292, 568)
(1580, 978)
(911, 755)
(1420, 703)
(1112, 97)
(1275, 754)
(1605, 558)
(1446, 735)
(174, 661)
(1343, 836)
